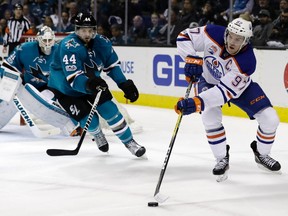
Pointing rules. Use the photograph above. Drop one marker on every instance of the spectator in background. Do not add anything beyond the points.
(102, 30)
(3, 24)
(7, 14)
(262, 32)
(175, 21)
(73, 11)
(279, 35)
(117, 35)
(210, 16)
(65, 25)
(16, 27)
(137, 30)
(260, 5)
(2, 30)
(153, 31)
(188, 15)
(27, 14)
(239, 7)
(283, 4)
(39, 9)
(47, 22)
(4, 5)
(54, 16)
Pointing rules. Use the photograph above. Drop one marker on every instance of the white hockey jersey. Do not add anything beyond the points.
(229, 73)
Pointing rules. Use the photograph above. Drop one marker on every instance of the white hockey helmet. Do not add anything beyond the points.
(242, 27)
(46, 39)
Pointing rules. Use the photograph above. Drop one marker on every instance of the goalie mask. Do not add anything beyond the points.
(85, 26)
(241, 28)
(46, 39)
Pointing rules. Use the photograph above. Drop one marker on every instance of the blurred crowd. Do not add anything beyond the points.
(148, 19)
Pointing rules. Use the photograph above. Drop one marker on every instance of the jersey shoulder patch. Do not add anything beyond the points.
(71, 42)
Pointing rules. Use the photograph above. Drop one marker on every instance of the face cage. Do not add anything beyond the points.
(45, 45)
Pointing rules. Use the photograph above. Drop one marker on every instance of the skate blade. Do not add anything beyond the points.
(161, 198)
(221, 178)
(279, 172)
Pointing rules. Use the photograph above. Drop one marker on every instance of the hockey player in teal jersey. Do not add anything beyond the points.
(75, 78)
(32, 61)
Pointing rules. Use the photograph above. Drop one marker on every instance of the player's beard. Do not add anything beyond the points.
(86, 40)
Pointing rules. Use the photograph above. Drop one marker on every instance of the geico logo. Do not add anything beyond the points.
(168, 70)
(257, 99)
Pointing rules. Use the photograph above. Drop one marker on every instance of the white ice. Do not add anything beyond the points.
(119, 184)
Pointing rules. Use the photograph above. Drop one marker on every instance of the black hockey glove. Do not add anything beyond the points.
(93, 85)
(130, 90)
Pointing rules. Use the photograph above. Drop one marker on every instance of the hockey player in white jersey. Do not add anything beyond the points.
(223, 75)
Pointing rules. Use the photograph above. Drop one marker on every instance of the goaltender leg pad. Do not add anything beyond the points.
(9, 83)
(7, 112)
(43, 108)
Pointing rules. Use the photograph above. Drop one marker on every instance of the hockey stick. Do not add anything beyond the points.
(160, 197)
(63, 152)
(31, 124)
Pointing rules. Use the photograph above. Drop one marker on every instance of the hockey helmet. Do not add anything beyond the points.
(46, 39)
(241, 27)
(85, 20)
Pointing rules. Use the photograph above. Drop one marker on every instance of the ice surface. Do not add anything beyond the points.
(119, 184)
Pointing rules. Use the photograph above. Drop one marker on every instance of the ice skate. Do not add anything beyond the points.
(135, 148)
(101, 142)
(220, 169)
(265, 161)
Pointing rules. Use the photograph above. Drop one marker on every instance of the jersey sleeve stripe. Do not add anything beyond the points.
(183, 37)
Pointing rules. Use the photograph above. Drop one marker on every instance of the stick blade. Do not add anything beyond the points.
(61, 152)
(160, 198)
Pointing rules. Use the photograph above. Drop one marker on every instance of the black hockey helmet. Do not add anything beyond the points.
(85, 20)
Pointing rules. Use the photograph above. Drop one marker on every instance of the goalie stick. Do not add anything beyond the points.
(65, 152)
(31, 124)
(157, 196)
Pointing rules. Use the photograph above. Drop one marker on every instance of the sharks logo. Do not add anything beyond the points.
(90, 70)
(71, 43)
(38, 74)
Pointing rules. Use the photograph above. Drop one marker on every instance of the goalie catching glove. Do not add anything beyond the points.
(93, 84)
(190, 105)
(130, 90)
(193, 68)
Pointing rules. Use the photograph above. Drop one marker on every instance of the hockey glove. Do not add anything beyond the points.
(130, 90)
(93, 84)
(193, 68)
(190, 105)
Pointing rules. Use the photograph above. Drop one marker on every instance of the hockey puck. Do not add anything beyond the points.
(152, 204)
